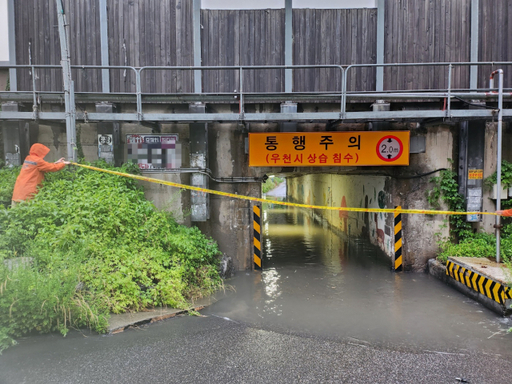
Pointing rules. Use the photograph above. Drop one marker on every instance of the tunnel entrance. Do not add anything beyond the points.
(294, 236)
(306, 225)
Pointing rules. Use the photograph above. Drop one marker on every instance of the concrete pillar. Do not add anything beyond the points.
(109, 138)
(380, 105)
(200, 202)
(15, 137)
(230, 222)
(288, 107)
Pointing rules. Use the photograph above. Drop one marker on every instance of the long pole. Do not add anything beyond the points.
(68, 83)
(498, 165)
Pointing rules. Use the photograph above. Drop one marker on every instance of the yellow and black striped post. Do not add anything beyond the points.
(257, 236)
(397, 262)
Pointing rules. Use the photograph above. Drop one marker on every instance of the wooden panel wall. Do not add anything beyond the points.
(159, 32)
(426, 31)
(37, 32)
(232, 38)
(334, 36)
(151, 33)
(495, 39)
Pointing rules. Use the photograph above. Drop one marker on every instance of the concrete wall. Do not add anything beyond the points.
(490, 161)
(231, 219)
(4, 76)
(421, 232)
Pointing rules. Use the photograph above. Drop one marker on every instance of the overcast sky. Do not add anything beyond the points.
(264, 4)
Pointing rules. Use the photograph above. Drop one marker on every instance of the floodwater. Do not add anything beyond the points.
(315, 283)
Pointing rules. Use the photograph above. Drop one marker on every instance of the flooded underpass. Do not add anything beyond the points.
(316, 283)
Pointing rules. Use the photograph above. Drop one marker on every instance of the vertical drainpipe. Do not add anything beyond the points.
(288, 46)
(13, 80)
(105, 76)
(379, 82)
(473, 75)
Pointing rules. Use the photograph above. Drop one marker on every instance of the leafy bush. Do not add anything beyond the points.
(97, 246)
(7, 179)
(446, 188)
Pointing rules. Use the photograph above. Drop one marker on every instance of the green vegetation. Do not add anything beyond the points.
(93, 245)
(446, 189)
(270, 184)
(463, 240)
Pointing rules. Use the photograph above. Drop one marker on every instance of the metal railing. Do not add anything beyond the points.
(344, 73)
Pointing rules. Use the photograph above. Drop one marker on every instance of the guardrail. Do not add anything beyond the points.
(344, 72)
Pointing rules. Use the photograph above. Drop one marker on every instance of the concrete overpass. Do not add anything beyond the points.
(212, 130)
(114, 73)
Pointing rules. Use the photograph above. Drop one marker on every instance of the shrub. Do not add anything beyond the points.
(97, 246)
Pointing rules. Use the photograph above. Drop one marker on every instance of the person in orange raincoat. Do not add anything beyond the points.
(504, 212)
(32, 173)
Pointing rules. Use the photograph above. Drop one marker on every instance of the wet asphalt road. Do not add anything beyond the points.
(215, 350)
(323, 311)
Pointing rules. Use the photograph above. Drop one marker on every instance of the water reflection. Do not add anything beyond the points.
(317, 283)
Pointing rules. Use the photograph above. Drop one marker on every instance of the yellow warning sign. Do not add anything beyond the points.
(475, 174)
(321, 149)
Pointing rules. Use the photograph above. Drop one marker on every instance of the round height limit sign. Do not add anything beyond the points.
(390, 148)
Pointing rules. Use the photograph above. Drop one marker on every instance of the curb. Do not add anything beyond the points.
(438, 270)
(119, 322)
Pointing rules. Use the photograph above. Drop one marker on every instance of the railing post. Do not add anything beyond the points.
(288, 44)
(449, 102)
(139, 92)
(241, 107)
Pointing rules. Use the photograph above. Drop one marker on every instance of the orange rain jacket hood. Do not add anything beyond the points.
(32, 172)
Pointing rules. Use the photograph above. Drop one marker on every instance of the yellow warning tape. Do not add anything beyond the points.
(242, 197)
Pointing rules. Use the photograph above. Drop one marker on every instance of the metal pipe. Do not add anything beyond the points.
(67, 80)
(241, 101)
(34, 97)
(208, 172)
(448, 111)
(499, 155)
(344, 95)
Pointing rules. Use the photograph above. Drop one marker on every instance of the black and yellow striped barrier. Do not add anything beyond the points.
(397, 265)
(479, 283)
(257, 236)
